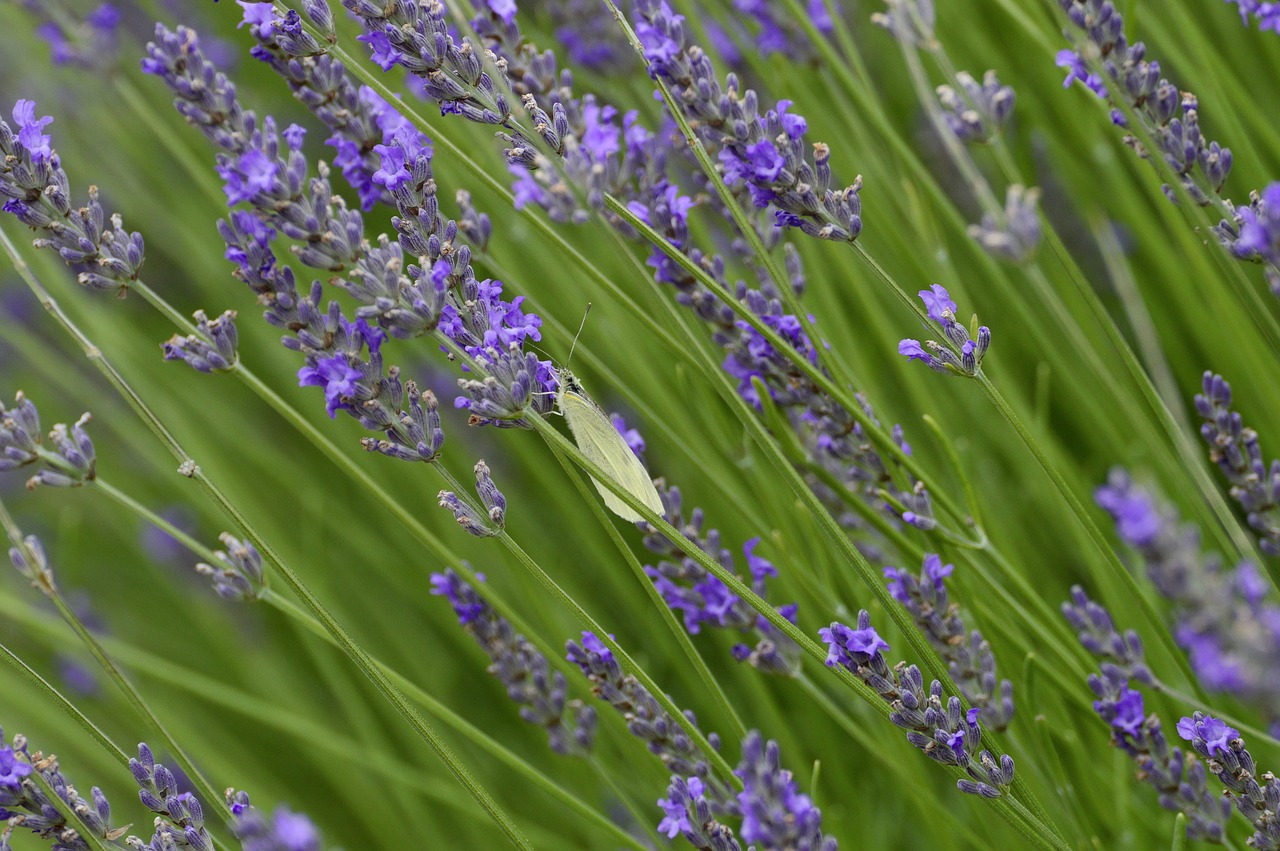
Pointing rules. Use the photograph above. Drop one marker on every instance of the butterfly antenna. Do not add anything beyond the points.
(574, 344)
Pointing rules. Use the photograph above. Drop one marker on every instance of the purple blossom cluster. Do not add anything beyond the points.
(180, 816)
(604, 151)
(1234, 448)
(1250, 232)
(237, 575)
(589, 35)
(523, 670)
(91, 42)
(440, 292)
(1015, 233)
(765, 151)
(1254, 233)
(1256, 794)
(481, 523)
(25, 805)
(976, 112)
(705, 601)
(1224, 619)
(646, 719)
(1178, 778)
(213, 346)
(1267, 15)
(64, 459)
(285, 830)
(1170, 116)
(471, 313)
(968, 655)
(777, 30)
(938, 356)
(38, 194)
(774, 813)
(944, 732)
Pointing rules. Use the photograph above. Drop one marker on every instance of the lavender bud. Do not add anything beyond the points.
(238, 573)
(212, 348)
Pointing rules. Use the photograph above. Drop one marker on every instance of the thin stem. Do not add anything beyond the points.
(127, 688)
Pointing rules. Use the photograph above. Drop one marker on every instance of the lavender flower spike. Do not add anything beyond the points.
(938, 356)
(68, 456)
(1256, 794)
(945, 733)
(1234, 448)
(238, 573)
(212, 348)
(774, 814)
(1224, 620)
(495, 504)
(1015, 234)
(523, 670)
(978, 111)
(766, 152)
(38, 193)
(968, 655)
(26, 806)
(180, 819)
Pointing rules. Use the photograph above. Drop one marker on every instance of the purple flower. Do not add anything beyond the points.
(846, 645)
(1129, 713)
(935, 570)
(793, 125)
(760, 567)
(774, 812)
(938, 302)
(676, 812)
(31, 130)
(635, 442)
(659, 47)
(260, 17)
(336, 376)
(1077, 70)
(504, 9)
(252, 173)
(1216, 734)
(600, 138)
(1135, 513)
(294, 831)
(1260, 228)
(381, 52)
(12, 769)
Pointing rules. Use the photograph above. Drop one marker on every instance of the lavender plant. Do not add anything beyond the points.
(420, 198)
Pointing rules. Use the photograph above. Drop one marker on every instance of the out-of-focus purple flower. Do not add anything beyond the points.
(1015, 233)
(774, 812)
(12, 769)
(1224, 620)
(284, 830)
(977, 111)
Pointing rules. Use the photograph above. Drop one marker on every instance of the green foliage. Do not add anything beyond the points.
(263, 702)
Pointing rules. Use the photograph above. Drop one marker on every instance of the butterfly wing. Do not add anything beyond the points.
(600, 441)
